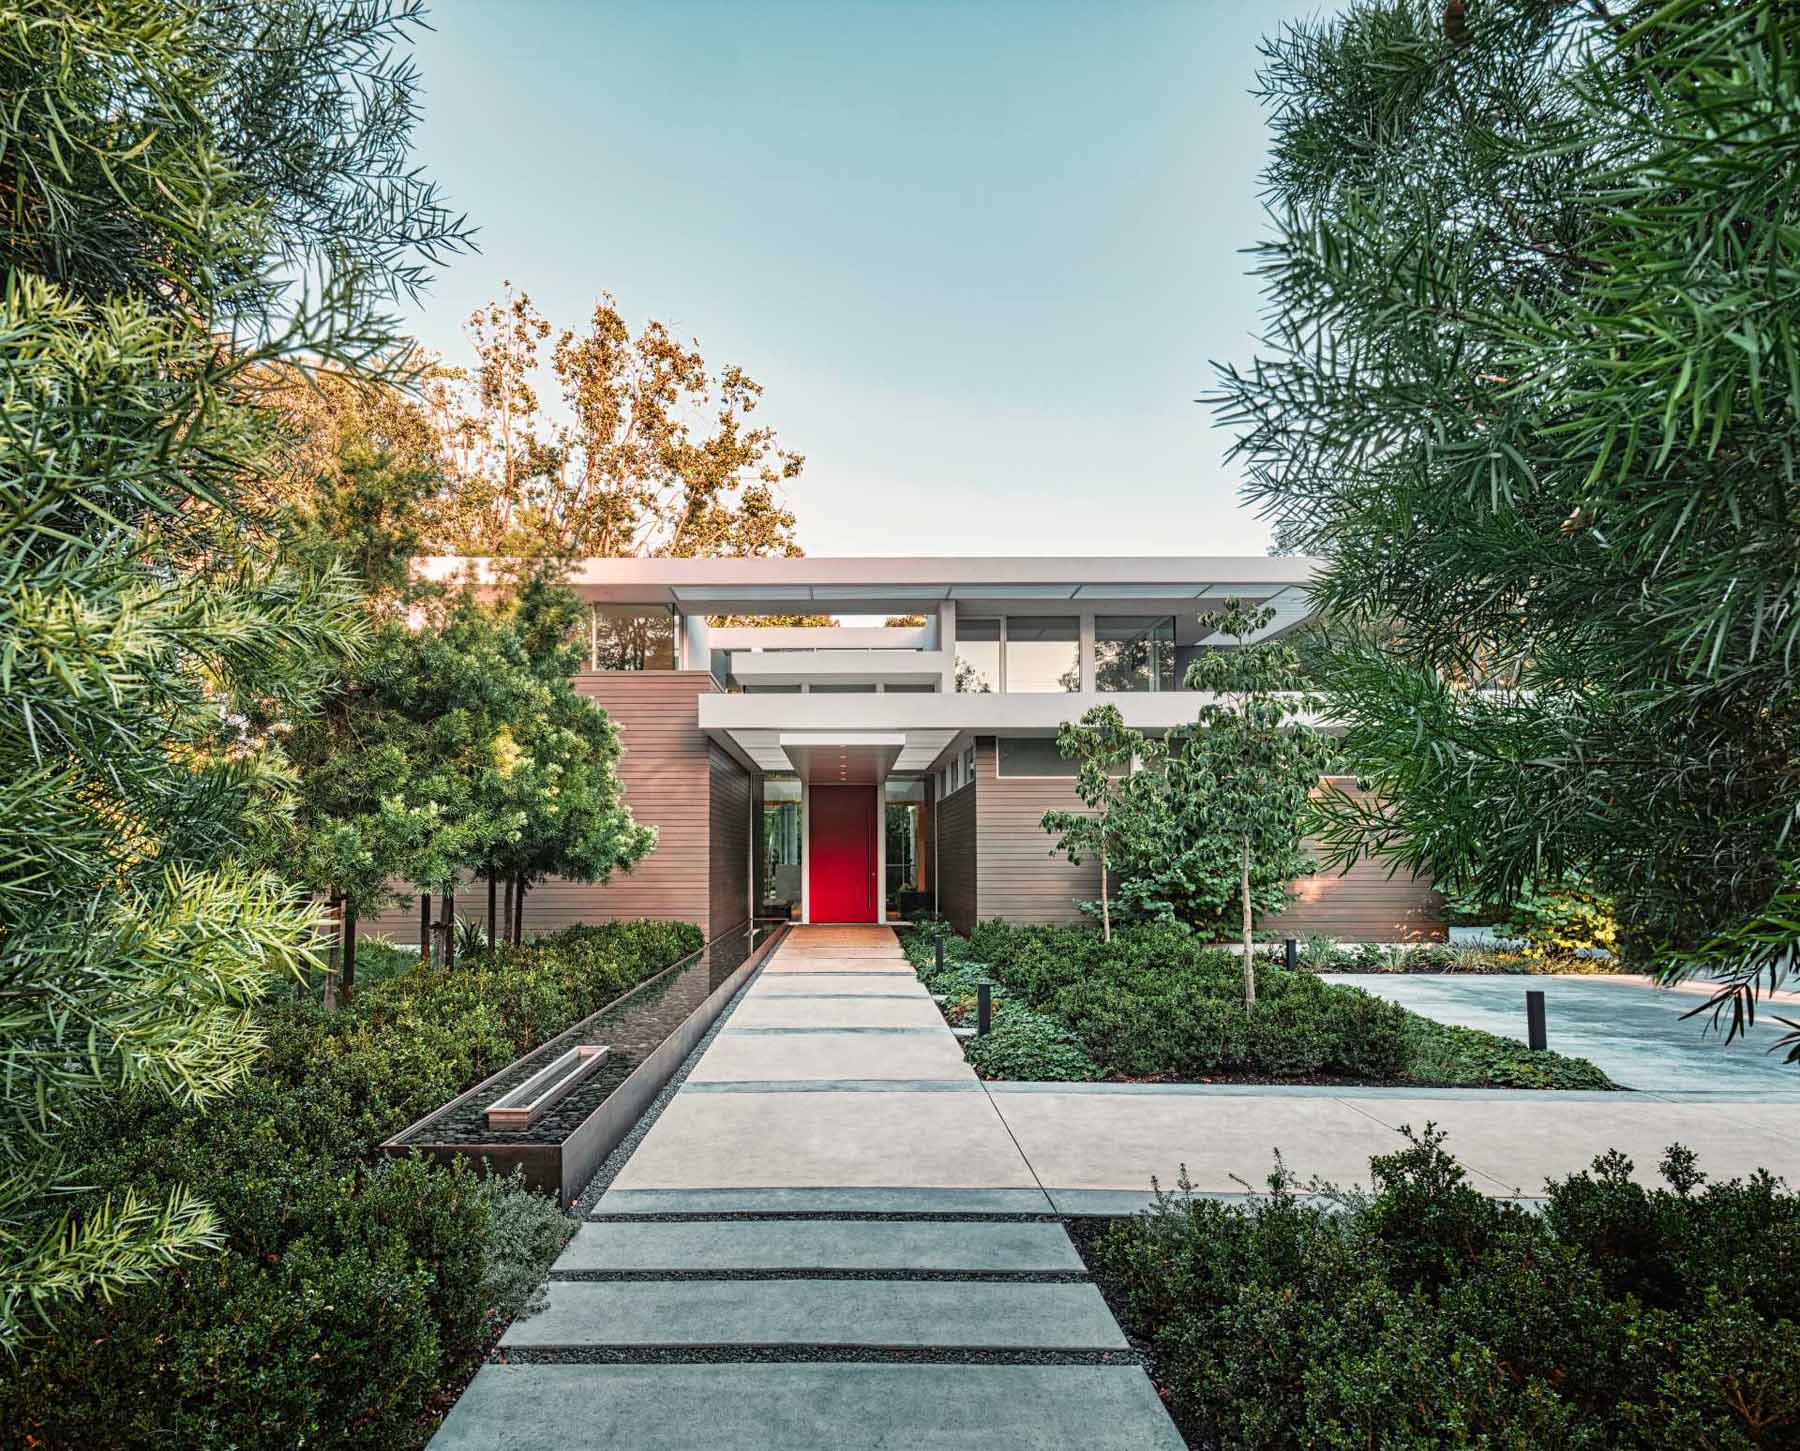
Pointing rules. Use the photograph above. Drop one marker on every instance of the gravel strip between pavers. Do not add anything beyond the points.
(775, 1354)
(971, 1277)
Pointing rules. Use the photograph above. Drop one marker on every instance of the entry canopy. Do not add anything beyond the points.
(843, 758)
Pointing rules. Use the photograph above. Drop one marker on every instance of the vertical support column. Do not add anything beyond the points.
(805, 853)
(1086, 650)
(947, 643)
(881, 850)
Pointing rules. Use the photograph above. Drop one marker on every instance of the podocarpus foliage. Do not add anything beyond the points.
(167, 168)
(1531, 383)
(1104, 749)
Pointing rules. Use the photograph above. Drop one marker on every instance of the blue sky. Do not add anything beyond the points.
(978, 254)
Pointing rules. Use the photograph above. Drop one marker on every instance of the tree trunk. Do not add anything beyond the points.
(1249, 953)
(424, 929)
(1105, 905)
(493, 929)
(503, 928)
(450, 924)
(332, 954)
(349, 985)
(518, 935)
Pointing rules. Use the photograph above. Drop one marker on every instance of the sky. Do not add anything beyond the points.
(981, 256)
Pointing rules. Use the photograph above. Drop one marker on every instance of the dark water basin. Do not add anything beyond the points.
(648, 1030)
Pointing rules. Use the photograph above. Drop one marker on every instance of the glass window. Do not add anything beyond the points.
(836, 688)
(1043, 653)
(1032, 756)
(977, 656)
(910, 688)
(780, 894)
(1134, 652)
(631, 637)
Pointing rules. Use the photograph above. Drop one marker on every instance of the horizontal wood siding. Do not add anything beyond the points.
(1019, 873)
(1016, 878)
(729, 847)
(956, 858)
(666, 772)
(1365, 904)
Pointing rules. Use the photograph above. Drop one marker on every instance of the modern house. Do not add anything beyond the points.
(899, 759)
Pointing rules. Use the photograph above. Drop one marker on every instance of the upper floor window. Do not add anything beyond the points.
(977, 656)
(1134, 652)
(1043, 653)
(633, 637)
(1019, 654)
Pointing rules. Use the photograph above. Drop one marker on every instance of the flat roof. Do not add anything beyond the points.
(899, 580)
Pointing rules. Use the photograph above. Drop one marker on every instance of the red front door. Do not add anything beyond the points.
(840, 850)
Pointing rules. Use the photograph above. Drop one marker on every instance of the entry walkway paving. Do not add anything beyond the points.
(734, 1289)
(835, 1235)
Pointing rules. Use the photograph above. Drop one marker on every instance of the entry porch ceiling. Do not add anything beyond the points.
(767, 752)
(842, 758)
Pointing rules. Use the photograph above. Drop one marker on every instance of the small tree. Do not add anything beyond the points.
(1103, 747)
(1248, 760)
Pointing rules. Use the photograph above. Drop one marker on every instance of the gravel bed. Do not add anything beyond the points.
(759, 1354)
(971, 1277)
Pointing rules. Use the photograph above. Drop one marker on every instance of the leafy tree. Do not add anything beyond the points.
(1104, 749)
(658, 455)
(171, 170)
(1237, 781)
(556, 764)
(1532, 387)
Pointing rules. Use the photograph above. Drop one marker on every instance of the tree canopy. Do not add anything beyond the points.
(1530, 384)
(651, 452)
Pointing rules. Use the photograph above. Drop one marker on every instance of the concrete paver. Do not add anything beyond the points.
(906, 1314)
(825, 1244)
(861, 1010)
(810, 1407)
(827, 1140)
(803, 1056)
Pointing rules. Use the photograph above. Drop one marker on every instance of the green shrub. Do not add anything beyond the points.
(1160, 1002)
(1424, 1314)
(1030, 1047)
(350, 1286)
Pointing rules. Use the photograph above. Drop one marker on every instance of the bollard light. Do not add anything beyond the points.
(984, 1008)
(1534, 1020)
(1293, 953)
(940, 951)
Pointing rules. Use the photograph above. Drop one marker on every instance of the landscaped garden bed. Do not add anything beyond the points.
(351, 1293)
(1159, 1003)
(1423, 1313)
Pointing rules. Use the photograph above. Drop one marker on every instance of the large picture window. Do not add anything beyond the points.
(1134, 652)
(1032, 756)
(631, 637)
(1043, 654)
(977, 656)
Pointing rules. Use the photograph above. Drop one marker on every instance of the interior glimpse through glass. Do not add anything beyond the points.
(977, 656)
(1134, 652)
(1043, 653)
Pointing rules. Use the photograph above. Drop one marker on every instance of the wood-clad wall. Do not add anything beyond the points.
(728, 845)
(1016, 877)
(667, 773)
(955, 831)
(1365, 904)
(1020, 875)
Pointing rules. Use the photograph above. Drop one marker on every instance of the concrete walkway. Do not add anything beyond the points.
(741, 1232)
(733, 1289)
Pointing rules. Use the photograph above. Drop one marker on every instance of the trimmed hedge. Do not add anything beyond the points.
(1158, 1002)
(1427, 1315)
(350, 1291)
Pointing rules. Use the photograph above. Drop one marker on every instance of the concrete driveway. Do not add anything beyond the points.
(1632, 1029)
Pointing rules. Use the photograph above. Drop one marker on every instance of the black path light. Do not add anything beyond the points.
(984, 1008)
(1534, 1019)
